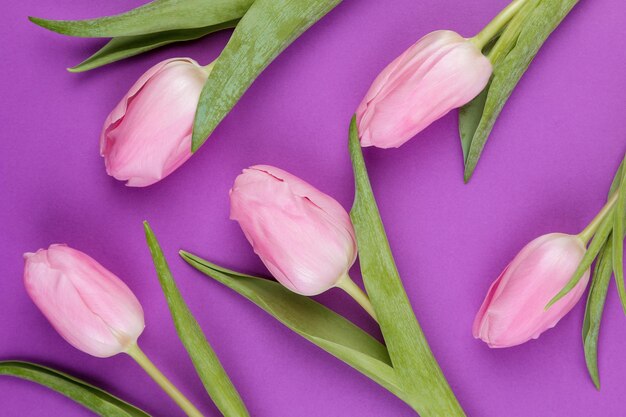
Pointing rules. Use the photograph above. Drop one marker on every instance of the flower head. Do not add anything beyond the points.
(514, 310)
(303, 236)
(89, 306)
(148, 134)
(440, 72)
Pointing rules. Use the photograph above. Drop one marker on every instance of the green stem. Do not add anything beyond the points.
(497, 24)
(158, 377)
(592, 227)
(346, 284)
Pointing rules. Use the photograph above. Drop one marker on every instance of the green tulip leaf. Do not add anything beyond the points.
(618, 237)
(153, 17)
(93, 398)
(265, 31)
(417, 369)
(595, 307)
(513, 53)
(126, 46)
(599, 241)
(604, 230)
(617, 179)
(469, 118)
(597, 294)
(216, 382)
(313, 321)
(471, 114)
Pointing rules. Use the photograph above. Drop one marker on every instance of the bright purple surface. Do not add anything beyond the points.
(547, 168)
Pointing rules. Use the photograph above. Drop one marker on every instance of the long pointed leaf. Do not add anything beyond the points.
(89, 396)
(156, 16)
(127, 46)
(618, 238)
(217, 383)
(471, 114)
(594, 309)
(410, 354)
(469, 119)
(540, 23)
(597, 294)
(604, 230)
(313, 321)
(265, 31)
(617, 179)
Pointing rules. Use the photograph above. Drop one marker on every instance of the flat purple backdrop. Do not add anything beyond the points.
(547, 168)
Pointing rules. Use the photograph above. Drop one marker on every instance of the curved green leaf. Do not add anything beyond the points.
(469, 118)
(265, 31)
(156, 16)
(313, 321)
(594, 309)
(604, 230)
(417, 369)
(618, 237)
(93, 398)
(127, 46)
(617, 179)
(471, 114)
(217, 383)
(597, 294)
(541, 17)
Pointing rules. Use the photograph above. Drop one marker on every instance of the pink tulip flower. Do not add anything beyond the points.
(148, 134)
(303, 236)
(89, 306)
(440, 72)
(514, 310)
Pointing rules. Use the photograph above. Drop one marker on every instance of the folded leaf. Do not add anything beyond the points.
(268, 27)
(93, 398)
(313, 321)
(618, 238)
(208, 366)
(597, 295)
(617, 179)
(471, 114)
(156, 16)
(127, 46)
(417, 369)
(541, 17)
(594, 309)
(599, 239)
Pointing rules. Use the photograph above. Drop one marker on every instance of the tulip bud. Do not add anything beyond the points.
(303, 236)
(148, 134)
(514, 310)
(90, 307)
(440, 72)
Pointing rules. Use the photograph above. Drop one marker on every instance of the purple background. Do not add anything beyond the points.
(547, 168)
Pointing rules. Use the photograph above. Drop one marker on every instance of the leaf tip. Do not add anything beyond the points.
(196, 139)
(36, 20)
(185, 255)
(148, 231)
(76, 69)
(467, 175)
(551, 303)
(44, 23)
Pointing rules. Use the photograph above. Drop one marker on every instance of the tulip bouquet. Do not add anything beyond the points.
(550, 274)
(443, 71)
